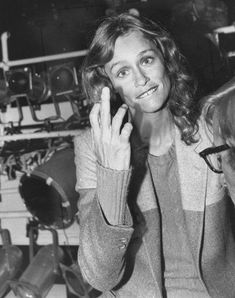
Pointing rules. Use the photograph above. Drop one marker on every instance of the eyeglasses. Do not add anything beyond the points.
(212, 159)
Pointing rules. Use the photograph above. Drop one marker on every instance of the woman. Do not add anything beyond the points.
(153, 218)
(218, 110)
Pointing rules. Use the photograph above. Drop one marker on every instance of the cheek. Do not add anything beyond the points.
(162, 77)
(159, 71)
(166, 77)
(229, 172)
(167, 85)
(230, 182)
(126, 93)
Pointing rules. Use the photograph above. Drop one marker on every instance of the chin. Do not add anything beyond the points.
(154, 108)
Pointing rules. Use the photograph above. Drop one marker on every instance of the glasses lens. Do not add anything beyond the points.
(215, 161)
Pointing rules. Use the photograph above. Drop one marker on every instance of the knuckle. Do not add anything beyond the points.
(126, 131)
(128, 126)
(117, 120)
(115, 124)
(104, 139)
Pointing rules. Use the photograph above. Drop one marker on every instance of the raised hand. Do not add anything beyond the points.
(112, 143)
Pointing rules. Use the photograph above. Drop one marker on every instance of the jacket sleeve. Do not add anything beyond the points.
(102, 245)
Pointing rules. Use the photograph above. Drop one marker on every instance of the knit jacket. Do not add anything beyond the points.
(126, 260)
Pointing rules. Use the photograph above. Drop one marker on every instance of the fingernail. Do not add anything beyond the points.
(105, 90)
(124, 106)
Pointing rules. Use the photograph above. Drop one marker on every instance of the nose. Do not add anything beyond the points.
(141, 78)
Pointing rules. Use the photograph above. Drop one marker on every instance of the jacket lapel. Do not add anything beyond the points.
(192, 172)
(193, 180)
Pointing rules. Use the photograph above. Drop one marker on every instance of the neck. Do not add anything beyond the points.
(155, 130)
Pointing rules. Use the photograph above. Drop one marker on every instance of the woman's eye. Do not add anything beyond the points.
(122, 73)
(147, 60)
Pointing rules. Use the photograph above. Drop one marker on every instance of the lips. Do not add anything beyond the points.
(147, 93)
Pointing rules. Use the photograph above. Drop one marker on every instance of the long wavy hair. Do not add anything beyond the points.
(181, 102)
(223, 101)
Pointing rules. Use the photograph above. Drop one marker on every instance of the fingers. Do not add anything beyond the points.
(105, 117)
(100, 117)
(118, 119)
(126, 132)
(117, 122)
(95, 119)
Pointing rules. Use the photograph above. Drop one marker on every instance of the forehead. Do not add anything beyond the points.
(129, 47)
(134, 42)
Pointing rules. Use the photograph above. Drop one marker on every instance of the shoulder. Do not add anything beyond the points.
(204, 132)
(203, 137)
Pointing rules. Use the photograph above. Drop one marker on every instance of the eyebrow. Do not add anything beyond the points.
(140, 54)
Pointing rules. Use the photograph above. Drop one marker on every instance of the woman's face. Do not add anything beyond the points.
(228, 162)
(138, 74)
(227, 157)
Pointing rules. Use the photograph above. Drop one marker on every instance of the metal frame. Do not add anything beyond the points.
(6, 64)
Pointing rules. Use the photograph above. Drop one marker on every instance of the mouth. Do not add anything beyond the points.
(147, 93)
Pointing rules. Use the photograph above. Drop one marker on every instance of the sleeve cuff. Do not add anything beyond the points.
(112, 188)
